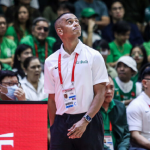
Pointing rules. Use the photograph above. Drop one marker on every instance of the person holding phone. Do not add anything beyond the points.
(10, 87)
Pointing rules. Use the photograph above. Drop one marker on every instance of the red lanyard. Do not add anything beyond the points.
(18, 37)
(46, 50)
(59, 68)
(110, 127)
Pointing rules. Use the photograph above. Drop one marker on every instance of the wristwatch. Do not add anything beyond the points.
(87, 118)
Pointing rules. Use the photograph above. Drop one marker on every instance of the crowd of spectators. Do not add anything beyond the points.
(118, 29)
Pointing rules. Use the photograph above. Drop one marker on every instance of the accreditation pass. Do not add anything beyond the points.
(108, 142)
(70, 97)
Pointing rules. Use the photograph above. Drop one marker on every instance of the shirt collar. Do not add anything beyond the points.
(77, 49)
(111, 106)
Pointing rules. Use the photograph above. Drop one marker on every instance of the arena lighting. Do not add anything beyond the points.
(23, 125)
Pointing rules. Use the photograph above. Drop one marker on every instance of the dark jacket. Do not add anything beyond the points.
(120, 129)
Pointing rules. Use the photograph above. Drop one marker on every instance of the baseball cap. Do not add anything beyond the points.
(129, 61)
(147, 14)
(88, 12)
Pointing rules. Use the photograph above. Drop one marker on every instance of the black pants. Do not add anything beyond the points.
(92, 138)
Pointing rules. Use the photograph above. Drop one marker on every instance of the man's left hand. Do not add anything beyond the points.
(77, 130)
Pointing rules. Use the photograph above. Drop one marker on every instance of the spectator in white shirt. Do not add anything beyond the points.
(32, 84)
(138, 116)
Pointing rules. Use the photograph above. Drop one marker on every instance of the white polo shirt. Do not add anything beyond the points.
(138, 115)
(89, 70)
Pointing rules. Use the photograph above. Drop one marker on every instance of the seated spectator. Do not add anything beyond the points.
(146, 44)
(32, 84)
(89, 34)
(10, 87)
(5, 66)
(119, 47)
(21, 26)
(125, 89)
(103, 47)
(117, 126)
(34, 13)
(23, 51)
(138, 53)
(117, 13)
(100, 8)
(39, 40)
(135, 11)
(7, 46)
(138, 116)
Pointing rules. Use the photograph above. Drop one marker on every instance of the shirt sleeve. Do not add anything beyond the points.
(99, 71)
(10, 32)
(49, 83)
(104, 9)
(134, 117)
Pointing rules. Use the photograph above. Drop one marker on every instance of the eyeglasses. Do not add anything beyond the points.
(46, 29)
(11, 84)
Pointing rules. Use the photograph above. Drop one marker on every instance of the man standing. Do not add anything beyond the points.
(75, 79)
(39, 40)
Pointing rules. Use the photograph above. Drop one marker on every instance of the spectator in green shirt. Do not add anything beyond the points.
(21, 26)
(115, 121)
(39, 41)
(7, 46)
(119, 47)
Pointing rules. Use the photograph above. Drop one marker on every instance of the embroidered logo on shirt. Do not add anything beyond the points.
(82, 62)
(133, 94)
